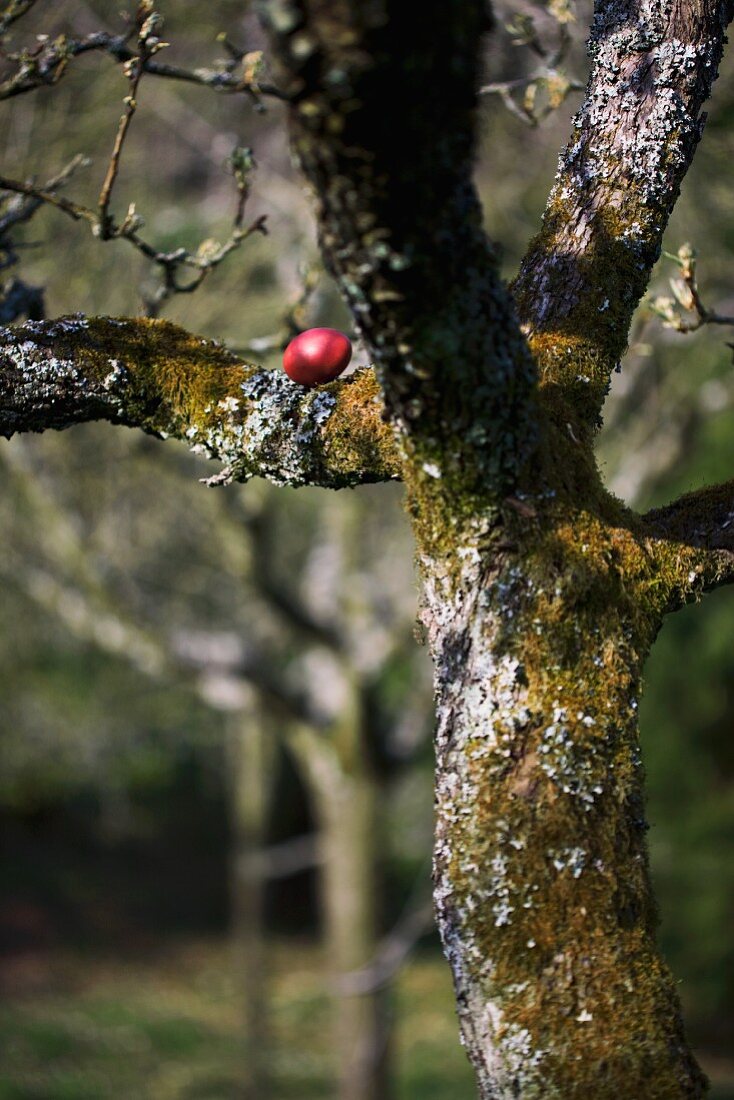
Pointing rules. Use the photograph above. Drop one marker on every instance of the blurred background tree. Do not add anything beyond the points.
(212, 710)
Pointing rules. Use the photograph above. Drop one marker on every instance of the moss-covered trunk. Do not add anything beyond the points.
(539, 630)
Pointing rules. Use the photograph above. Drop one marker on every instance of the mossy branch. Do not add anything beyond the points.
(158, 377)
(695, 536)
(653, 66)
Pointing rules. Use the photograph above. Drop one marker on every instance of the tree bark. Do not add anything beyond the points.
(156, 376)
(542, 884)
(542, 593)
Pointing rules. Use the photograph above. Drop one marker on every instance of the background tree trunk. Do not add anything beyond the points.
(251, 754)
(347, 802)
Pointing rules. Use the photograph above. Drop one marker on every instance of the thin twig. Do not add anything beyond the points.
(105, 221)
(686, 312)
(548, 74)
(202, 262)
(73, 209)
(293, 321)
(23, 208)
(46, 65)
(14, 11)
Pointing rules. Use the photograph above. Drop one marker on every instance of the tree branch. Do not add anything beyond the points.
(15, 10)
(382, 119)
(695, 539)
(48, 63)
(633, 141)
(155, 376)
(207, 257)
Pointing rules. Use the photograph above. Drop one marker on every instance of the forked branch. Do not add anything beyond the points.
(387, 141)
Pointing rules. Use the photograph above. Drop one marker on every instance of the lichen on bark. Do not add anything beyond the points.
(156, 376)
(542, 885)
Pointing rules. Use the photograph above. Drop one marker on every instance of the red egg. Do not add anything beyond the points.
(316, 356)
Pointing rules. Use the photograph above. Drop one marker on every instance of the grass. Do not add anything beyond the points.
(80, 1028)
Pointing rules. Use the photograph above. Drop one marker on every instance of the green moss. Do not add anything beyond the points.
(591, 298)
(175, 379)
(357, 436)
(568, 918)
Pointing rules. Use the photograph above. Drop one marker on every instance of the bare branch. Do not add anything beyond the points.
(50, 60)
(685, 312)
(15, 10)
(415, 922)
(290, 857)
(548, 78)
(634, 139)
(41, 194)
(17, 298)
(155, 376)
(92, 612)
(21, 210)
(148, 43)
(293, 320)
(208, 256)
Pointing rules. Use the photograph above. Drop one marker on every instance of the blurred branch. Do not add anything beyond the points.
(18, 298)
(415, 922)
(294, 319)
(207, 257)
(156, 376)
(257, 524)
(548, 78)
(90, 610)
(686, 298)
(14, 11)
(49, 60)
(284, 860)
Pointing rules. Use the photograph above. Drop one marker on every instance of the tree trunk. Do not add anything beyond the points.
(542, 883)
(251, 758)
(347, 802)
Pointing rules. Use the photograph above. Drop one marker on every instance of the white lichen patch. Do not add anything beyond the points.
(572, 859)
(633, 140)
(272, 429)
(575, 764)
